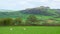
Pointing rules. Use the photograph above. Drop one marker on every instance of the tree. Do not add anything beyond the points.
(1, 21)
(18, 21)
(32, 20)
(8, 21)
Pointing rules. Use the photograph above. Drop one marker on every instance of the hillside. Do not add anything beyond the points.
(45, 11)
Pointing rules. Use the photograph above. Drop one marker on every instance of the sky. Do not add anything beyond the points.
(24, 4)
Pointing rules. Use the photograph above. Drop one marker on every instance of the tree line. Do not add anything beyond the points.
(31, 20)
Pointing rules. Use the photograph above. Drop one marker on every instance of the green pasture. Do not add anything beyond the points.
(30, 30)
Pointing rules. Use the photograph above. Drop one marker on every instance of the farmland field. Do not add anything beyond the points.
(30, 30)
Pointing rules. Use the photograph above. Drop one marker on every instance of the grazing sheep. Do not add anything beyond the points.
(11, 29)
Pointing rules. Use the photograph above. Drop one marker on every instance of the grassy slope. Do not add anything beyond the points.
(30, 30)
(24, 16)
(19, 13)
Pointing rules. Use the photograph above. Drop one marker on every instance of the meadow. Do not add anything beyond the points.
(30, 30)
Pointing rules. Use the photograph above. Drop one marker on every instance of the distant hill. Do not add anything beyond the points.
(45, 11)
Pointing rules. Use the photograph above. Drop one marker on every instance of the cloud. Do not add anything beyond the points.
(54, 4)
(23, 4)
(57, 0)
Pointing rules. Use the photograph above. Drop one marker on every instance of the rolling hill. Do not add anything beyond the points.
(41, 11)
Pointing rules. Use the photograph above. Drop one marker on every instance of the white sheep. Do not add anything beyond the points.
(24, 28)
(11, 28)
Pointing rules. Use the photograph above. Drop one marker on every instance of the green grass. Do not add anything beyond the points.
(30, 30)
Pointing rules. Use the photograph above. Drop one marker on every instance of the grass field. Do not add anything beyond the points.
(30, 30)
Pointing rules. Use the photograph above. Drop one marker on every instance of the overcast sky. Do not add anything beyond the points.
(23, 4)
